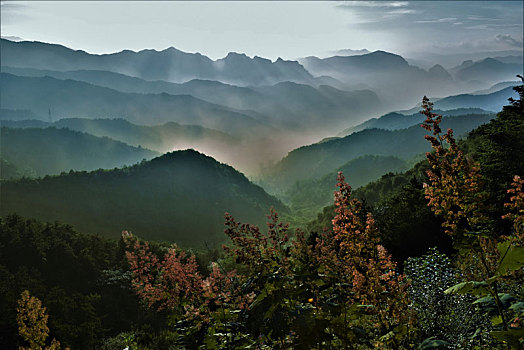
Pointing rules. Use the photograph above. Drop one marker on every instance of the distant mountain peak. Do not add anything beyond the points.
(351, 52)
(437, 67)
(172, 49)
(236, 55)
(490, 60)
(378, 57)
(280, 60)
(438, 71)
(261, 59)
(382, 52)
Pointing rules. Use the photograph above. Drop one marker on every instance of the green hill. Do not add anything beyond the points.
(39, 152)
(179, 197)
(161, 138)
(308, 197)
(396, 120)
(316, 160)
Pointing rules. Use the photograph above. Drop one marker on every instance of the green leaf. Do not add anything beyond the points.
(495, 321)
(512, 258)
(489, 305)
(517, 307)
(433, 343)
(470, 287)
(385, 338)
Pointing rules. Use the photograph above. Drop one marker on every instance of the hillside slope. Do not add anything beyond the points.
(162, 138)
(318, 159)
(40, 152)
(178, 197)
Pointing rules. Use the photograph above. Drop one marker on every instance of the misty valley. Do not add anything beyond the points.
(161, 199)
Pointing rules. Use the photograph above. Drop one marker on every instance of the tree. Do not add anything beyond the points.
(491, 263)
(362, 273)
(32, 323)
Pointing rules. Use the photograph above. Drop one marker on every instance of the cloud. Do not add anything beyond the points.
(440, 20)
(369, 12)
(499, 42)
(508, 39)
(12, 12)
(402, 11)
(394, 4)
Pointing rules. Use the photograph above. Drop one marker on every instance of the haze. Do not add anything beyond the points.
(271, 29)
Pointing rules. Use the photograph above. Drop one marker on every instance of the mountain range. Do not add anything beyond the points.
(287, 105)
(396, 82)
(169, 64)
(488, 70)
(70, 98)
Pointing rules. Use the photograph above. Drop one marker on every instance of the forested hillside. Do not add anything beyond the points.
(50, 151)
(160, 138)
(159, 199)
(318, 159)
(309, 196)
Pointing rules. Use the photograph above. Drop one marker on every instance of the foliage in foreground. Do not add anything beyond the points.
(341, 289)
(492, 265)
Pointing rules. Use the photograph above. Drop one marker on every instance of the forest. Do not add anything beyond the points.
(428, 256)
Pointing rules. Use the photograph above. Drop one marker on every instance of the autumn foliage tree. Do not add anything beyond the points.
(32, 323)
(491, 263)
(341, 289)
(360, 270)
(199, 305)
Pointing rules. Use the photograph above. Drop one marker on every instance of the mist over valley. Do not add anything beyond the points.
(261, 175)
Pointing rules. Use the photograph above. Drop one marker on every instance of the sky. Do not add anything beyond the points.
(270, 29)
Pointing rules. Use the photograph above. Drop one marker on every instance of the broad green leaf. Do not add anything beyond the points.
(512, 258)
(470, 287)
(433, 343)
(495, 321)
(517, 307)
(489, 305)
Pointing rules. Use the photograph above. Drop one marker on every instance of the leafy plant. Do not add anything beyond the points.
(490, 263)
